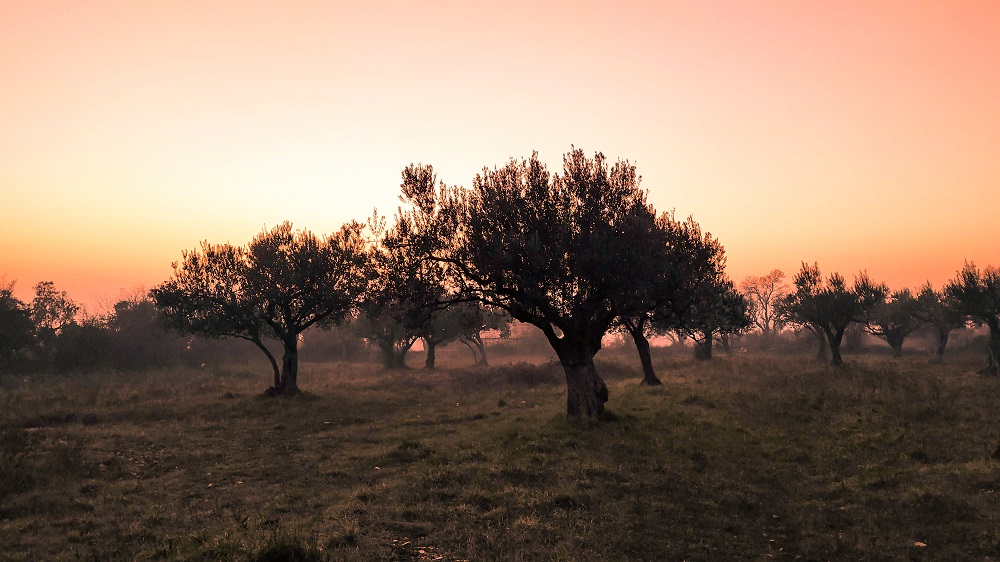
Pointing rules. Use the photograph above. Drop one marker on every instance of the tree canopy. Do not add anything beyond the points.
(977, 294)
(563, 252)
(829, 306)
(279, 285)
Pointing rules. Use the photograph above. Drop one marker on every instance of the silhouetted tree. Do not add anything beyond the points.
(685, 261)
(891, 319)
(977, 294)
(942, 313)
(828, 306)
(763, 294)
(282, 283)
(17, 331)
(51, 310)
(137, 335)
(83, 346)
(478, 319)
(718, 311)
(406, 291)
(555, 251)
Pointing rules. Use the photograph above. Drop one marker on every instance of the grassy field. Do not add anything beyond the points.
(743, 458)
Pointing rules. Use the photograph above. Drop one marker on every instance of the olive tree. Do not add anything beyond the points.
(893, 318)
(941, 313)
(557, 251)
(280, 284)
(685, 262)
(977, 293)
(829, 306)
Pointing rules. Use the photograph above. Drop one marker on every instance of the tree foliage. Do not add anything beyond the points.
(558, 251)
(829, 306)
(941, 313)
(279, 285)
(51, 310)
(892, 318)
(17, 331)
(977, 294)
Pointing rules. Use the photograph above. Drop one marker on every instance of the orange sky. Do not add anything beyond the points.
(856, 136)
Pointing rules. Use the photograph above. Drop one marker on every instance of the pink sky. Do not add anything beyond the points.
(859, 137)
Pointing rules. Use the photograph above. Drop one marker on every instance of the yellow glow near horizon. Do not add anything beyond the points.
(861, 137)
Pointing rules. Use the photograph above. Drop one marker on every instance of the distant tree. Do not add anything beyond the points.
(83, 346)
(763, 294)
(138, 338)
(828, 306)
(406, 291)
(51, 310)
(692, 295)
(464, 322)
(17, 331)
(718, 311)
(476, 320)
(282, 283)
(941, 313)
(893, 318)
(977, 294)
(556, 251)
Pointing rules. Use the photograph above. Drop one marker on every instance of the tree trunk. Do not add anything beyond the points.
(391, 357)
(993, 349)
(586, 392)
(642, 346)
(466, 342)
(478, 340)
(290, 366)
(431, 346)
(821, 354)
(703, 349)
(271, 359)
(834, 340)
(942, 342)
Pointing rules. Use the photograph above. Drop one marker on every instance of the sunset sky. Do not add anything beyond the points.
(860, 135)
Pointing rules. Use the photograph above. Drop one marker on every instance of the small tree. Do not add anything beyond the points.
(406, 291)
(977, 294)
(891, 319)
(763, 295)
(828, 306)
(17, 331)
(282, 283)
(686, 263)
(51, 310)
(941, 313)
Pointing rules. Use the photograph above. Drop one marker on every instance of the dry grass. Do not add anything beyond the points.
(741, 458)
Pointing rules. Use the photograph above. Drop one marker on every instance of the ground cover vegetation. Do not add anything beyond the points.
(741, 458)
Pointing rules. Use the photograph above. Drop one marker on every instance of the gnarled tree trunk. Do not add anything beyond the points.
(834, 337)
(942, 342)
(586, 392)
(649, 377)
(431, 346)
(289, 366)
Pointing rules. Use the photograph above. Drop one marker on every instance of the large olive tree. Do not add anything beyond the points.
(280, 284)
(562, 252)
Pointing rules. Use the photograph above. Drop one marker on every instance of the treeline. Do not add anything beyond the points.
(577, 254)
